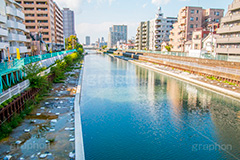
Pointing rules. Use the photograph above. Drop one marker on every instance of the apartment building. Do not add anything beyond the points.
(228, 43)
(190, 18)
(58, 26)
(68, 22)
(117, 33)
(88, 40)
(12, 30)
(142, 36)
(151, 34)
(40, 18)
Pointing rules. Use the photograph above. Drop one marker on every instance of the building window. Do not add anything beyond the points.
(196, 18)
(191, 19)
(217, 20)
(197, 11)
(192, 11)
(196, 25)
(217, 14)
(191, 26)
(30, 27)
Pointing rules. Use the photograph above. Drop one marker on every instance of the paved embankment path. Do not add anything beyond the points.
(79, 147)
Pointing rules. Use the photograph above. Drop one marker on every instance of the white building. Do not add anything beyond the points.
(210, 43)
(117, 33)
(12, 29)
(158, 31)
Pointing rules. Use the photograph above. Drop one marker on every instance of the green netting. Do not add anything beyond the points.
(8, 67)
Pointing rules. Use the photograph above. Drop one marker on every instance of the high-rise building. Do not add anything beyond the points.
(12, 29)
(190, 18)
(142, 37)
(40, 17)
(151, 34)
(58, 26)
(88, 40)
(68, 22)
(228, 43)
(117, 33)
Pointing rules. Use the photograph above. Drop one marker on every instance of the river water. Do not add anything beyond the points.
(129, 112)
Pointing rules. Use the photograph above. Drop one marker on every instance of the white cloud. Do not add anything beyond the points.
(144, 5)
(160, 2)
(74, 4)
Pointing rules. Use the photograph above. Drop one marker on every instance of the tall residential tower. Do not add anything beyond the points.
(44, 17)
(190, 18)
(68, 22)
(228, 43)
(117, 33)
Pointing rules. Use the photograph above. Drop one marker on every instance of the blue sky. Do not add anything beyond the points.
(94, 17)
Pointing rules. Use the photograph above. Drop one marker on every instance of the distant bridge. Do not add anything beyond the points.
(90, 48)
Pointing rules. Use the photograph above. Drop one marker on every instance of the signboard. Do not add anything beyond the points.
(18, 53)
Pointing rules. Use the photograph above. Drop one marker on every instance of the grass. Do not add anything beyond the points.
(216, 79)
(7, 127)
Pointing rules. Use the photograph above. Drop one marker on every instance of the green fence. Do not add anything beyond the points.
(8, 67)
(11, 73)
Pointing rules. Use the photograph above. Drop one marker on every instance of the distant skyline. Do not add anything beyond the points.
(94, 17)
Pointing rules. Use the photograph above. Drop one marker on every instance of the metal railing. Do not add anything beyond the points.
(220, 69)
(14, 91)
(184, 54)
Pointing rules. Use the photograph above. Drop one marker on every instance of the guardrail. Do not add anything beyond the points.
(183, 54)
(14, 91)
(220, 69)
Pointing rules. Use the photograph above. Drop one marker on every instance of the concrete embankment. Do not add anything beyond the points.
(79, 147)
(223, 70)
(216, 89)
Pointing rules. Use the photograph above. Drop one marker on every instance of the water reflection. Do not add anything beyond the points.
(129, 112)
(190, 103)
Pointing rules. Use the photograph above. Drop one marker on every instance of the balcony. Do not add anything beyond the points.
(183, 22)
(3, 32)
(22, 38)
(3, 45)
(12, 37)
(20, 26)
(183, 14)
(11, 24)
(20, 14)
(234, 6)
(228, 29)
(12, 50)
(228, 50)
(23, 49)
(10, 11)
(231, 18)
(3, 19)
(228, 40)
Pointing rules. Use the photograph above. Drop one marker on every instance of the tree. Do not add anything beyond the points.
(104, 47)
(168, 48)
(72, 43)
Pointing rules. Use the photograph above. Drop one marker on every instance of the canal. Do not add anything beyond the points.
(129, 112)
